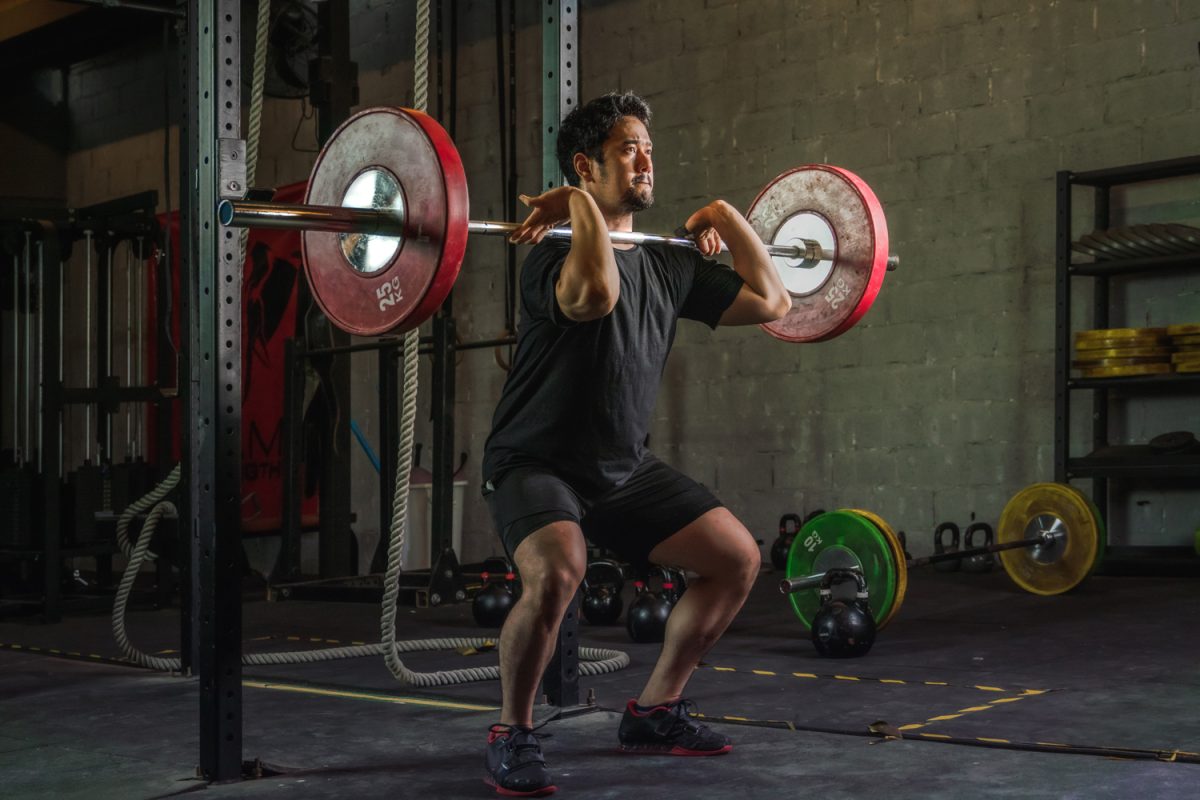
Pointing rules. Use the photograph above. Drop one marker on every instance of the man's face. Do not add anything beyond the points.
(624, 181)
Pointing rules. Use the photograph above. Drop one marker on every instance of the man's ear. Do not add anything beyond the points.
(583, 167)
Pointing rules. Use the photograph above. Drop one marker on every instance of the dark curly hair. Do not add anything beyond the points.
(587, 127)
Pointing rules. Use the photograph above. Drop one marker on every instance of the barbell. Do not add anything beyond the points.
(1049, 539)
(385, 221)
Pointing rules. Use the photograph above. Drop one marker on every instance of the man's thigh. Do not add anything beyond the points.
(655, 503)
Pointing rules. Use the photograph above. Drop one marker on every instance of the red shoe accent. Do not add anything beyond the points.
(632, 706)
(682, 751)
(545, 790)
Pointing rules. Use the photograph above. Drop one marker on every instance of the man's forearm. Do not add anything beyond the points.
(750, 258)
(589, 284)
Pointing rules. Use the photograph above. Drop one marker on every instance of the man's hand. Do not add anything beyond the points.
(701, 227)
(550, 209)
(763, 298)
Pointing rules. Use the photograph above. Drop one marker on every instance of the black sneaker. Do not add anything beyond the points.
(670, 730)
(515, 765)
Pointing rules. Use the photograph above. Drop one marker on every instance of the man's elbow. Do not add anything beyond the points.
(780, 307)
(593, 303)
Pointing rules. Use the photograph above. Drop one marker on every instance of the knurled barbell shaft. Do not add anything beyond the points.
(379, 222)
(956, 555)
(790, 585)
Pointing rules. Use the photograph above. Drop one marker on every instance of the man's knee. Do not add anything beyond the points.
(552, 562)
(556, 584)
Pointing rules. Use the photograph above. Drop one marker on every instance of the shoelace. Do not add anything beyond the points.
(533, 742)
(685, 711)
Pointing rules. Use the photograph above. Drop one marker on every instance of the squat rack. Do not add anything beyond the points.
(211, 362)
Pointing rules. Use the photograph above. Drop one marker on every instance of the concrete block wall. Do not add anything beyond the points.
(957, 113)
(938, 405)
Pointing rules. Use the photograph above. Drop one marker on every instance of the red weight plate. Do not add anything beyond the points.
(833, 206)
(418, 152)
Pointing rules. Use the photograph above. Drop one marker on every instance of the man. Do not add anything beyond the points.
(566, 458)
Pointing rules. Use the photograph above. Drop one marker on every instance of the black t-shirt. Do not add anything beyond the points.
(580, 395)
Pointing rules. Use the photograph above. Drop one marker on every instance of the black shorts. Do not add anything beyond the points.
(655, 502)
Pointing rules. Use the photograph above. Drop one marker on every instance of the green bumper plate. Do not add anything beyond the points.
(841, 539)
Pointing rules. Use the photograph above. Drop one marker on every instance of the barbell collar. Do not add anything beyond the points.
(390, 222)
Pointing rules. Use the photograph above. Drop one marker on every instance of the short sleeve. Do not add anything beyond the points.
(539, 276)
(714, 288)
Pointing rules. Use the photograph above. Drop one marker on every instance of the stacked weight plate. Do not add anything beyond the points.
(1122, 352)
(1185, 341)
(1139, 241)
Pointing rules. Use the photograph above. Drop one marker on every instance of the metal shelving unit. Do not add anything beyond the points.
(1105, 462)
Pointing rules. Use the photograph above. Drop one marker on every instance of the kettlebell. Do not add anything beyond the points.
(984, 561)
(495, 599)
(788, 525)
(941, 547)
(843, 629)
(904, 544)
(810, 516)
(674, 584)
(602, 584)
(646, 620)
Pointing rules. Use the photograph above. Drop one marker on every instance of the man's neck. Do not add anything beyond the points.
(619, 222)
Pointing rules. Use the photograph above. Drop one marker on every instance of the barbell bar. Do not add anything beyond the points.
(1050, 538)
(384, 225)
(1046, 539)
(808, 253)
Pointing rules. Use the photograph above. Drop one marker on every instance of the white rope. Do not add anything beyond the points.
(254, 122)
(593, 661)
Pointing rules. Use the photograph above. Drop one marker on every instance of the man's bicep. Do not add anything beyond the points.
(715, 287)
(748, 308)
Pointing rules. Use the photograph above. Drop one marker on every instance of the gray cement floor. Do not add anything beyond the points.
(969, 660)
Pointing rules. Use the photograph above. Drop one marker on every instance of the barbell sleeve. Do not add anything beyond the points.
(295, 216)
(387, 222)
(792, 585)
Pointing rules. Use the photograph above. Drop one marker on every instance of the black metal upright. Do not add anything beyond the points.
(333, 78)
(443, 430)
(291, 431)
(560, 93)
(212, 288)
(389, 442)
(1101, 220)
(50, 286)
(1062, 327)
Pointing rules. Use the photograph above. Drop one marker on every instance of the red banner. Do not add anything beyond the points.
(271, 277)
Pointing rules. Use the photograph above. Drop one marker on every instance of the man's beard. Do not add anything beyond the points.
(633, 201)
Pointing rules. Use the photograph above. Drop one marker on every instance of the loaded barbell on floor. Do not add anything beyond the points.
(1049, 539)
(385, 221)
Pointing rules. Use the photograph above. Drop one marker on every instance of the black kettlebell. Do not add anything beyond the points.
(904, 544)
(788, 525)
(843, 629)
(495, 599)
(939, 546)
(674, 584)
(646, 620)
(602, 584)
(984, 562)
